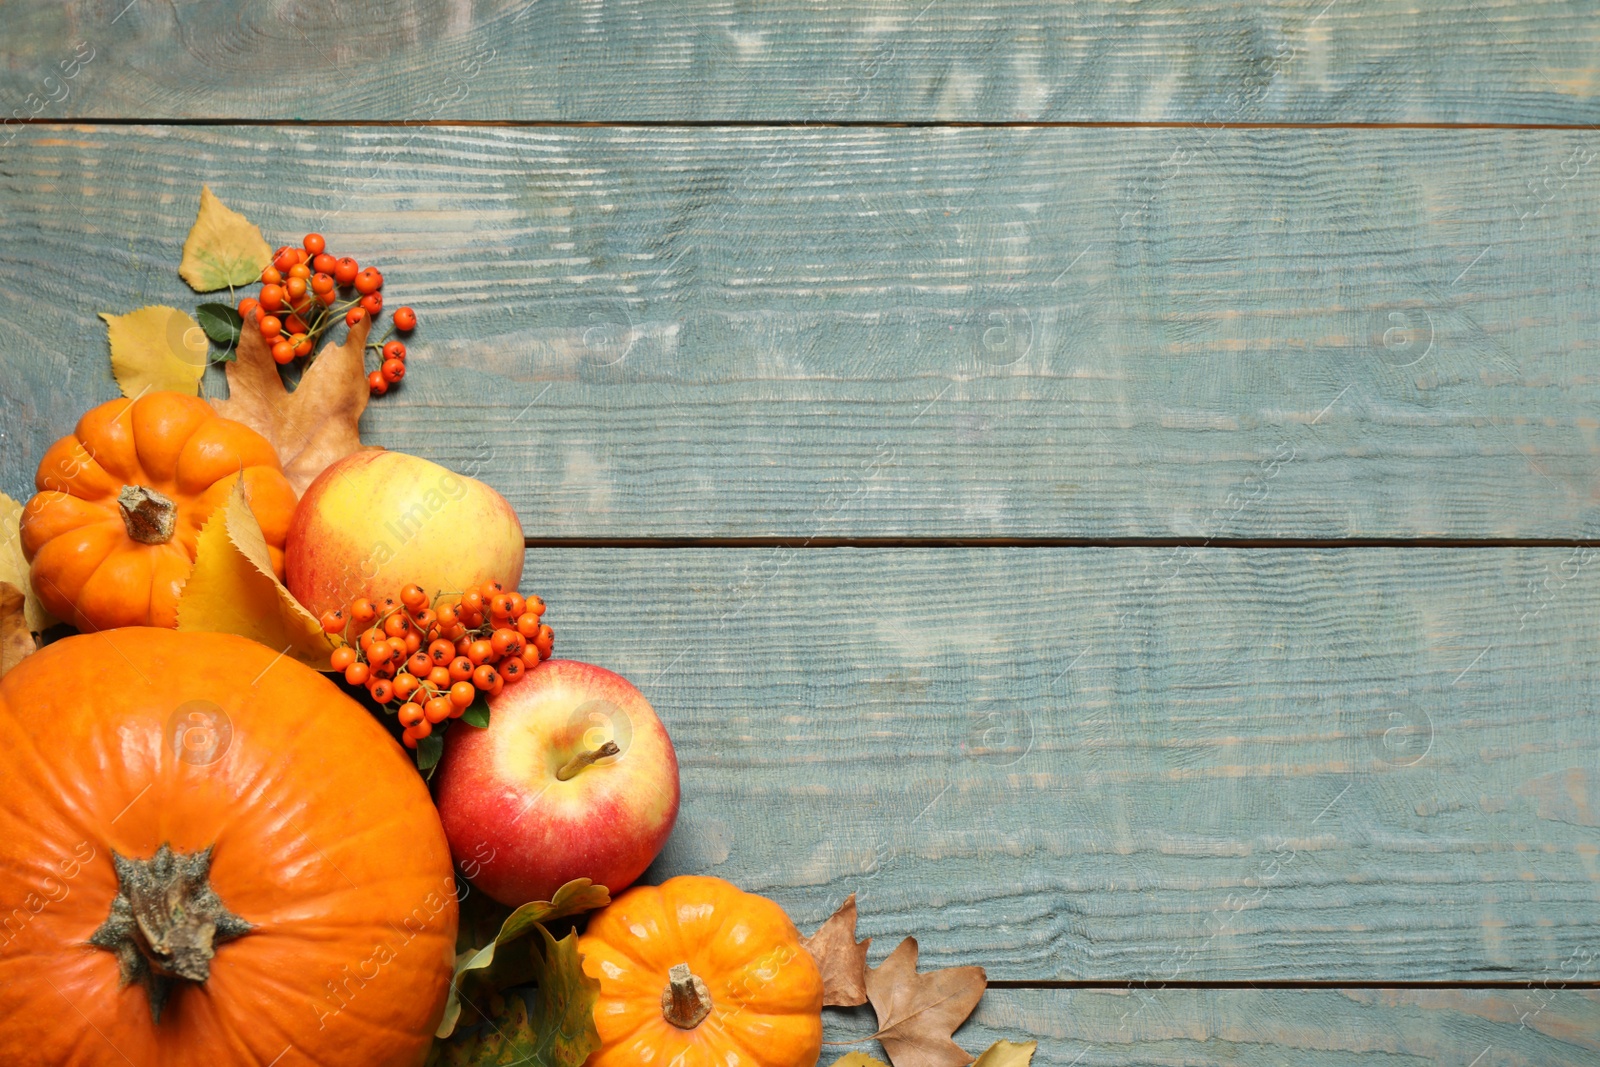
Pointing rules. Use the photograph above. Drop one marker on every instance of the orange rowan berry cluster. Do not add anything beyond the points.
(429, 664)
(300, 300)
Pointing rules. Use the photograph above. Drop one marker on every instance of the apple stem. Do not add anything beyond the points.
(686, 1001)
(577, 763)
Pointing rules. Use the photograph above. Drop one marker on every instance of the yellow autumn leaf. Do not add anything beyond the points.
(233, 589)
(14, 565)
(858, 1059)
(1008, 1054)
(157, 348)
(223, 247)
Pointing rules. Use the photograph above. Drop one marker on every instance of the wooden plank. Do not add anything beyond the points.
(1535, 1027)
(907, 332)
(1130, 764)
(895, 60)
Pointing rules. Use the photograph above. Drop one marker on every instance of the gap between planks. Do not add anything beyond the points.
(1284, 984)
(790, 541)
(779, 124)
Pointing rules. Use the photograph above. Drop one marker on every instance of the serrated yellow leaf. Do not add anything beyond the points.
(233, 590)
(223, 247)
(1008, 1054)
(157, 348)
(16, 643)
(14, 565)
(858, 1059)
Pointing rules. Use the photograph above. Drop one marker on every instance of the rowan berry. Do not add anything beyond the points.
(409, 739)
(485, 677)
(342, 657)
(379, 653)
(545, 642)
(405, 685)
(410, 713)
(437, 709)
(462, 694)
(423, 728)
(394, 350)
(282, 352)
(440, 678)
(447, 615)
(441, 653)
(413, 641)
(295, 324)
(396, 625)
(426, 620)
(353, 316)
(490, 589)
(322, 283)
(302, 346)
(372, 304)
(506, 642)
(247, 305)
(271, 276)
(405, 320)
(295, 287)
(323, 263)
(501, 607)
(479, 652)
(393, 370)
(535, 605)
(518, 604)
(345, 270)
(512, 668)
(528, 624)
(314, 243)
(356, 673)
(419, 664)
(382, 690)
(461, 669)
(285, 259)
(332, 621)
(270, 326)
(369, 281)
(376, 385)
(362, 611)
(472, 602)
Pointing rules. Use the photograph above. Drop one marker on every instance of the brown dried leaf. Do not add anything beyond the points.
(312, 426)
(16, 640)
(840, 957)
(917, 1013)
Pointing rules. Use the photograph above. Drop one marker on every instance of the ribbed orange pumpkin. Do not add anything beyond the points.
(697, 973)
(111, 533)
(166, 794)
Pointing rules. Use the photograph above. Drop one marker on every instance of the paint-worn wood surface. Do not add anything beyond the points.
(1123, 765)
(1534, 1027)
(1131, 764)
(908, 332)
(859, 60)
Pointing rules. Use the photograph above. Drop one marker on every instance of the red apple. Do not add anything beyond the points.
(536, 799)
(376, 520)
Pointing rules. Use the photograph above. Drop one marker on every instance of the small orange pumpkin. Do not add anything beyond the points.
(697, 973)
(111, 533)
(211, 857)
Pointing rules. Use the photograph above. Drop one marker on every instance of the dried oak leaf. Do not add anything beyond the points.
(312, 426)
(16, 640)
(157, 348)
(917, 1013)
(223, 247)
(840, 957)
(1008, 1054)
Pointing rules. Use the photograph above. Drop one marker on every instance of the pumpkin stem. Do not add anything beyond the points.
(149, 516)
(570, 769)
(165, 922)
(686, 1001)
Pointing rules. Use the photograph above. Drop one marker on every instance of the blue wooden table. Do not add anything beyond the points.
(1115, 485)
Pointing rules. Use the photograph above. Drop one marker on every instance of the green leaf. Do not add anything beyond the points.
(429, 749)
(507, 960)
(220, 322)
(477, 713)
(555, 1029)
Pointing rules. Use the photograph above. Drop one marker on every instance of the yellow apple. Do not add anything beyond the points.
(376, 520)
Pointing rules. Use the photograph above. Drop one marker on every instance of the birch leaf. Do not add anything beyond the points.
(223, 248)
(233, 589)
(157, 348)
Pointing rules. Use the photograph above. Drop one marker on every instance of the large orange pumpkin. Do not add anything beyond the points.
(209, 857)
(111, 533)
(697, 973)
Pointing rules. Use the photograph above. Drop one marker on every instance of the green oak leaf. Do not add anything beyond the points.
(511, 958)
(552, 1027)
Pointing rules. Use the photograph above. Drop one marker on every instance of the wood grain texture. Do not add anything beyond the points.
(1130, 764)
(880, 60)
(1534, 1027)
(907, 332)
